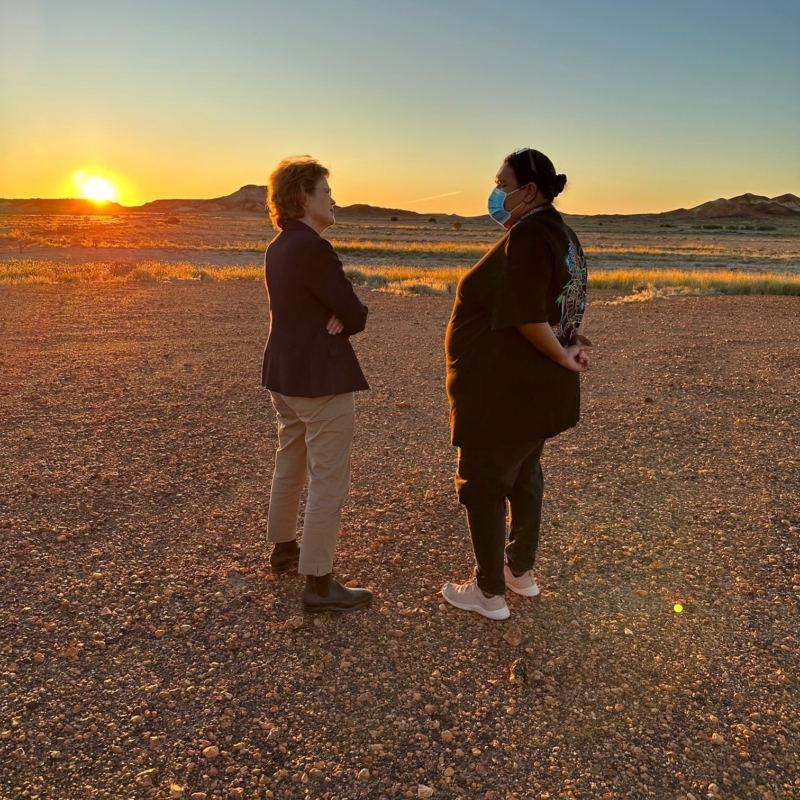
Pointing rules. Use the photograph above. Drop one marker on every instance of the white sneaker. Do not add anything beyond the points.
(524, 584)
(468, 597)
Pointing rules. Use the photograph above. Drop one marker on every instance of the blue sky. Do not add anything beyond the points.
(646, 106)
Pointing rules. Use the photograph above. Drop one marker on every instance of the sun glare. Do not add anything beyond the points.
(95, 188)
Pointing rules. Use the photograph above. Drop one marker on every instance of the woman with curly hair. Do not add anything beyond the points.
(311, 372)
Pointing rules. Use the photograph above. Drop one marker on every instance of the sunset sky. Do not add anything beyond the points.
(646, 106)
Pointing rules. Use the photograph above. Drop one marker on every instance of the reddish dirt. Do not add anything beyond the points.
(144, 644)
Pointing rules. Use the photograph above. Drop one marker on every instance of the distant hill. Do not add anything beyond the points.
(745, 205)
(252, 198)
(63, 206)
(248, 198)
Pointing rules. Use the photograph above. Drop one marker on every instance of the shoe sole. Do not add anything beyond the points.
(319, 609)
(501, 613)
(284, 567)
(530, 591)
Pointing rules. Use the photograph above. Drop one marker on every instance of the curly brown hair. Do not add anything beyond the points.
(293, 177)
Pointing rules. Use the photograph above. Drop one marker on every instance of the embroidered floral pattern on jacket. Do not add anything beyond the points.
(572, 300)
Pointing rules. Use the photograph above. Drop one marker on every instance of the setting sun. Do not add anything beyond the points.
(95, 188)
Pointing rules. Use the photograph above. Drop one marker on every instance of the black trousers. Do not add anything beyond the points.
(485, 480)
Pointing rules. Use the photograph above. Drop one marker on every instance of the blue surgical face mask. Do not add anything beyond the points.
(497, 200)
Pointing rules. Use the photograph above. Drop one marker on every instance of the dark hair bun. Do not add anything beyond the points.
(558, 184)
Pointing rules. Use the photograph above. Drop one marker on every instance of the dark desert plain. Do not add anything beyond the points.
(146, 651)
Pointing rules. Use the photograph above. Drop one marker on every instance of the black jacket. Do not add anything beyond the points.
(306, 284)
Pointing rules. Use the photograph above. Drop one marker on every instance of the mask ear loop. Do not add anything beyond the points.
(535, 194)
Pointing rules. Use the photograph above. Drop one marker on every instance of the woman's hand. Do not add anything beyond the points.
(334, 325)
(576, 358)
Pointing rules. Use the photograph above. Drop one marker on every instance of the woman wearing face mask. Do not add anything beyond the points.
(311, 372)
(514, 357)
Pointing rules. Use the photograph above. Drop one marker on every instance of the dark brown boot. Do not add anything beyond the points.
(323, 593)
(284, 556)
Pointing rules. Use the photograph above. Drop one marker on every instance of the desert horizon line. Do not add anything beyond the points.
(788, 204)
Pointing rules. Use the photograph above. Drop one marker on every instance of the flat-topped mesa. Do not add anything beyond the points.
(744, 205)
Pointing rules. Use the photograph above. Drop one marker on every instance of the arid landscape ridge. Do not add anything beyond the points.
(251, 198)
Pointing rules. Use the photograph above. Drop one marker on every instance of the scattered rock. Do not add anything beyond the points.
(513, 635)
(518, 671)
(145, 778)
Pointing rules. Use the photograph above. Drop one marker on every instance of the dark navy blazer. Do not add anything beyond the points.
(306, 284)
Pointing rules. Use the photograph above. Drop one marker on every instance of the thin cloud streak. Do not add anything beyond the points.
(435, 197)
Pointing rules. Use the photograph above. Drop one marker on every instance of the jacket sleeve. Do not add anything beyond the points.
(325, 278)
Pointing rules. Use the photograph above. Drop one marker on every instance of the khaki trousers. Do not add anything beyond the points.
(314, 438)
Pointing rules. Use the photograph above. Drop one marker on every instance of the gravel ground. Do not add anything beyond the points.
(146, 651)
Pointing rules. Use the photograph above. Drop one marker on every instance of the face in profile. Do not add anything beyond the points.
(319, 205)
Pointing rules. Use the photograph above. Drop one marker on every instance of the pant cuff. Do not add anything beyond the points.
(315, 569)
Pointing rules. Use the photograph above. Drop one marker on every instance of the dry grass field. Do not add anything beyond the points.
(624, 253)
(147, 652)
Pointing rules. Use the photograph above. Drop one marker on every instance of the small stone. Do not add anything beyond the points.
(518, 671)
(211, 752)
(717, 738)
(513, 635)
(363, 775)
(176, 791)
(352, 584)
(97, 576)
(713, 788)
(424, 791)
(159, 634)
(293, 624)
(145, 778)
(447, 736)
(38, 657)
(397, 634)
(236, 792)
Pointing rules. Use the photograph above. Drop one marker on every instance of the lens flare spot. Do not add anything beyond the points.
(677, 608)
